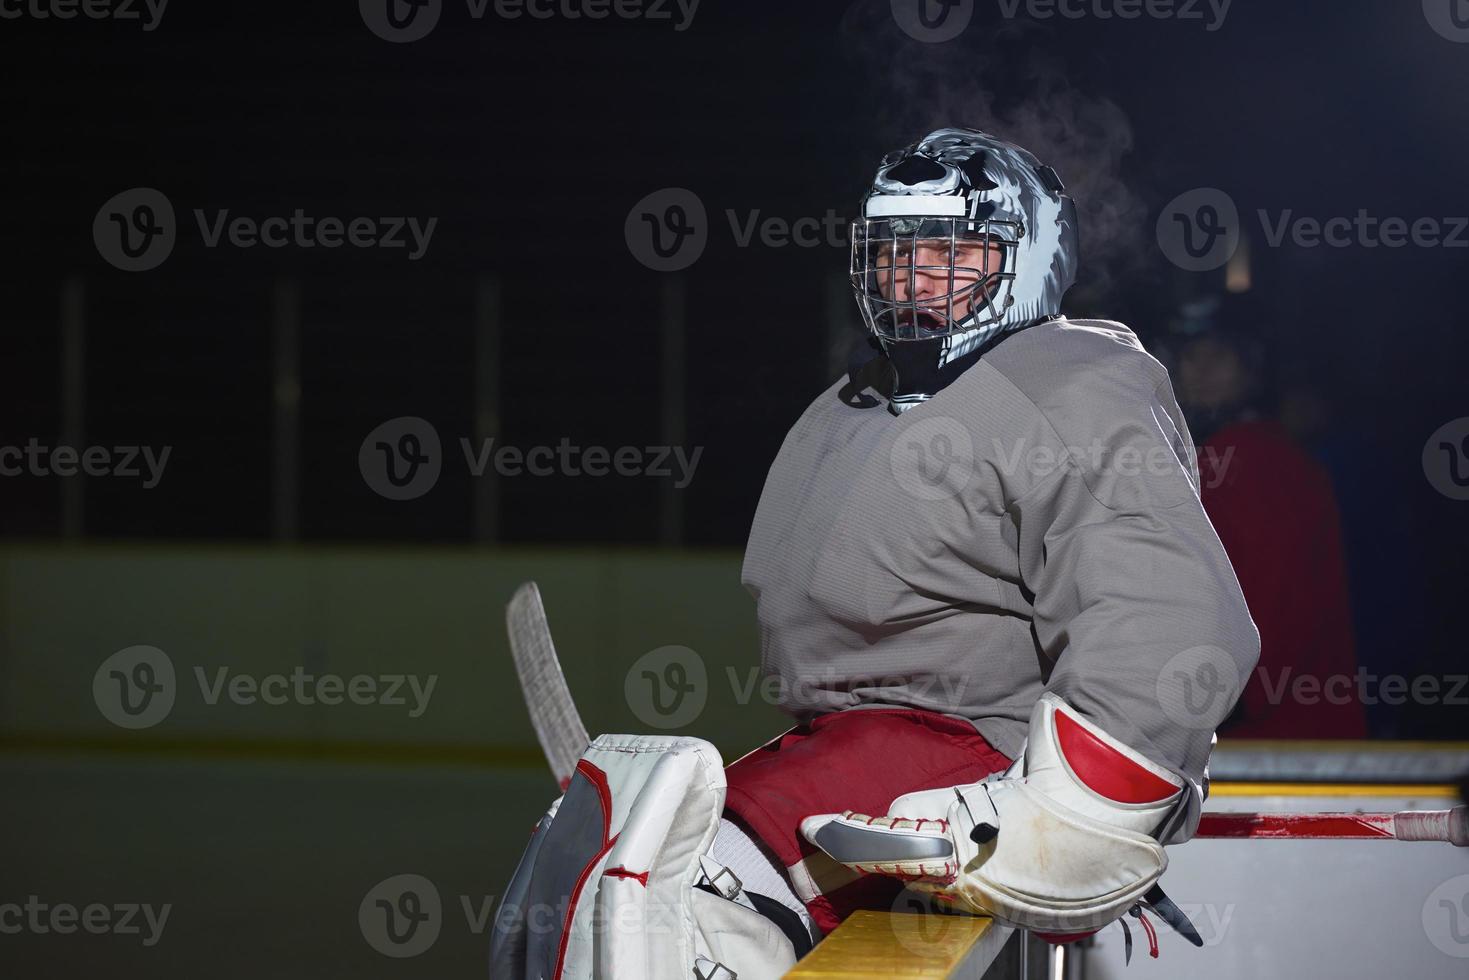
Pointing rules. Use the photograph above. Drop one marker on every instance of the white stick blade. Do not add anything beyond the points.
(553, 713)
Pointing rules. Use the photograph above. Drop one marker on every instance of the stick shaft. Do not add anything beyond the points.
(1414, 825)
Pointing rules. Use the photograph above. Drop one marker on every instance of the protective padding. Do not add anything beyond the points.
(607, 888)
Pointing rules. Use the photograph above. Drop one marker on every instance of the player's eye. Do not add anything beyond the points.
(888, 256)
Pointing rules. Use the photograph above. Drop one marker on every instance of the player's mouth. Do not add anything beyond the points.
(926, 321)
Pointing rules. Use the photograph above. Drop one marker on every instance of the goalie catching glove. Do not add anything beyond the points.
(1063, 842)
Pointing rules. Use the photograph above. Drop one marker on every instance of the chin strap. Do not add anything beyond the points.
(904, 373)
(867, 367)
(910, 372)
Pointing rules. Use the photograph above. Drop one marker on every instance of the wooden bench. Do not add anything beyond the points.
(907, 946)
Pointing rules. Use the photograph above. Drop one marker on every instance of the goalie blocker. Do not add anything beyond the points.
(1063, 842)
(617, 880)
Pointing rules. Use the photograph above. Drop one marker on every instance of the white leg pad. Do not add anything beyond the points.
(608, 887)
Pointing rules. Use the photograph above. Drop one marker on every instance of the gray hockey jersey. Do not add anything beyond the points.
(1035, 526)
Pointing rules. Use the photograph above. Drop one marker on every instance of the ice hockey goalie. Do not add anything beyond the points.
(994, 606)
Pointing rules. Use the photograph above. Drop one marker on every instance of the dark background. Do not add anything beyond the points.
(530, 140)
(269, 829)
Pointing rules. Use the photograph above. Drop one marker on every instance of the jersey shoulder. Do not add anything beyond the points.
(830, 420)
(1080, 372)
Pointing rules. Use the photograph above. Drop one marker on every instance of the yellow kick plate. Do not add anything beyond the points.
(904, 945)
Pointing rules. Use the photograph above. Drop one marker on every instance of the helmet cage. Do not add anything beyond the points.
(887, 248)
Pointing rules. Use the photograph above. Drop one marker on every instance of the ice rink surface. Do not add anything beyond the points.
(264, 864)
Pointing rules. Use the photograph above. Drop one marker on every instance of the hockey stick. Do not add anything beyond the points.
(553, 713)
(564, 738)
(1451, 826)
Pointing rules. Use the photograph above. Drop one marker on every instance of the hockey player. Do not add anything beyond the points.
(991, 597)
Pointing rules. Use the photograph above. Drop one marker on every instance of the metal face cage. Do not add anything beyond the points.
(896, 259)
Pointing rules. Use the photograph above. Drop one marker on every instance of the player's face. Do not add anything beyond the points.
(925, 281)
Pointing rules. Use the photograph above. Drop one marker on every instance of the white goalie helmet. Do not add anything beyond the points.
(962, 237)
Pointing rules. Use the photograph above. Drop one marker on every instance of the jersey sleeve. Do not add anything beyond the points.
(1137, 610)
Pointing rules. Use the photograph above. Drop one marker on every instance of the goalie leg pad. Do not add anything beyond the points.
(610, 885)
